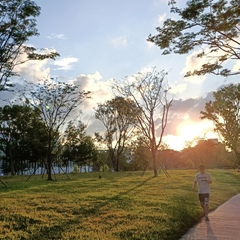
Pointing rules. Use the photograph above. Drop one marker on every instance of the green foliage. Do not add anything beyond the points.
(17, 25)
(224, 113)
(23, 136)
(117, 206)
(104, 168)
(55, 101)
(78, 146)
(119, 117)
(141, 155)
(210, 26)
(149, 92)
(76, 168)
(212, 154)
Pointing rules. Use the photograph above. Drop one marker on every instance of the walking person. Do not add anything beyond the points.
(203, 179)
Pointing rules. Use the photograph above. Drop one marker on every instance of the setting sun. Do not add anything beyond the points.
(188, 131)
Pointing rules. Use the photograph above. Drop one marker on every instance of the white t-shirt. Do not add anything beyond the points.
(203, 185)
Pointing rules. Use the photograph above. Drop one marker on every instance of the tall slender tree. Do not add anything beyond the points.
(119, 117)
(149, 92)
(55, 101)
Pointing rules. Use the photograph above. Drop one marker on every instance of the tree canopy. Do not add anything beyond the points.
(23, 136)
(211, 28)
(224, 112)
(77, 145)
(17, 25)
(119, 117)
(149, 92)
(55, 101)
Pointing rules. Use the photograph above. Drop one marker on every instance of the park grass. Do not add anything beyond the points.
(122, 205)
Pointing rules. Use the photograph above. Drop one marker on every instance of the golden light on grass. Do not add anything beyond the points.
(117, 206)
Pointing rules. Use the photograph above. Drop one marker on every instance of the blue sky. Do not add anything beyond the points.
(105, 36)
(100, 40)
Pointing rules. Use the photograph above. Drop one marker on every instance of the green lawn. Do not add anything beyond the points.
(117, 206)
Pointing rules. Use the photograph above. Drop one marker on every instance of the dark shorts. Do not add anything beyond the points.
(204, 198)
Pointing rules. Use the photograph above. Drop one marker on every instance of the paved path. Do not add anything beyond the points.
(224, 223)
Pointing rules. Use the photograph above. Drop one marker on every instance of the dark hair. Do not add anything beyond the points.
(201, 166)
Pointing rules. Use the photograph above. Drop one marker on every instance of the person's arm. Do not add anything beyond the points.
(194, 185)
(209, 180)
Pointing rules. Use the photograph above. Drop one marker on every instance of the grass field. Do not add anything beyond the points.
(117, 206)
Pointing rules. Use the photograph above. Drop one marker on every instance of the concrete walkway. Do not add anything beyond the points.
(224, 223)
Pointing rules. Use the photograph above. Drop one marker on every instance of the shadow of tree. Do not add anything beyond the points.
(56, 232)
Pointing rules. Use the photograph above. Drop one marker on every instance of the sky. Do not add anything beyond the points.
(103, 40)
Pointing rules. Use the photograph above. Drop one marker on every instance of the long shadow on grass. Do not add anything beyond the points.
(55, 232)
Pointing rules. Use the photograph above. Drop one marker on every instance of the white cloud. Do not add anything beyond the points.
(34, 70)
(178, 88)
(100, 89)
(100, 92)
(65, 63)
(236, 67)
(119, 41)
(192, 62)
(97, 76)
(56, 36)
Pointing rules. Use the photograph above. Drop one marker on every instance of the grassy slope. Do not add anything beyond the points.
(117, 206)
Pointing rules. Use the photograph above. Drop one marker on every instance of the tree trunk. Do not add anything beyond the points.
(49, 157)
(49, 168)
(154, 158)
(113, 160)
(11, 162)
(12, 167)
(238, 157)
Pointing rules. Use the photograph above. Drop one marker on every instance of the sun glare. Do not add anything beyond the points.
(188, 131)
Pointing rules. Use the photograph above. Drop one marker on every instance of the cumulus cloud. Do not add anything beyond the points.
(180, 88)
(100, 92)
(236, 67)
(100, 89)
(192, 62)
(39, 70)
(34, 70)
(65, 63)
(185, 110)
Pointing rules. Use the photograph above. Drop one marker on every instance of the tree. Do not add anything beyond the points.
(22, 135)
(118, 117)
(102, 162)
(149, 93)
(224, 112)
(78, 146)
(55, 101)
(209, 25)
(141, 155)
(17, 25)
(206, 151)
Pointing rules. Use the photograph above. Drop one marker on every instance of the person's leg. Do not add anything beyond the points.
(203, 207)
(201, 199)
(206, 206)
